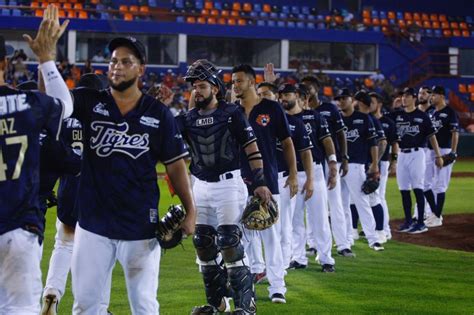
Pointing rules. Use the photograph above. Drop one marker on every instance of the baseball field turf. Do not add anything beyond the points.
(404, 279)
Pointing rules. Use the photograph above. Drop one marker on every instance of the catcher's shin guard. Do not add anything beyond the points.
(243, 289)
(215, 282)
(228, 241)
(205, 242)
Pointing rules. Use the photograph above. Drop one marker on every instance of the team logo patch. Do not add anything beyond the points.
(352, 135)
(358, 121)
(325, 113)
(385, 125)
(204, 121)
(407, 129)
(150, 121)
(110, 137)
(100, 109)
(309, 129)
(308, 117)
(418, 120)
(263, 120)
(443, 115)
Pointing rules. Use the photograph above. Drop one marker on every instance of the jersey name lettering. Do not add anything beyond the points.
(7, 126)
(113, 137)
(13, 103)
(406, 129)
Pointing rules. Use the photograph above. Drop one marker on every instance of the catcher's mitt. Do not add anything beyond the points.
(449, 158)
(169, 233)
(258, 216)
(371, 183)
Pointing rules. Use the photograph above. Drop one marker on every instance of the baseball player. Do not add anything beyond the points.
(336, 126)
(302, 143)
(414, 127)
(216, 131)
(366, 106)
(269, 123)
(388, 161)
(60, 262)
(267, 90)
(425, 105)
(23, 115)
(361, 142)
(446, 122)
(316, 204)
(125, 134)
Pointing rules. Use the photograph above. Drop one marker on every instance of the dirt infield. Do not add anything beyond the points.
(456, 233)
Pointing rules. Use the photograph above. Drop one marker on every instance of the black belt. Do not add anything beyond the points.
(218, 178)
(409, 150)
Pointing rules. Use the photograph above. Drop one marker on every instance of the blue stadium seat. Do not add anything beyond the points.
(301, 16)
(199, 4)
(12, 2)
(16, 12)
(281, 24)
(392, 22)
(257, 7)
(271, 23)
(263, 14)
(254, 14)
(283, 16)
(5, 12)
(305, 10)
(285, 9)
(376, 28)
(295, 9)
(218, 5)
(374, 14)
(291, 24)
(300, 25)
(180, 19)
(429, 32)
(274, 15)
(311, 17)
(437, 33)
(311, 25)
(399, 16)
(321, 26)
(152, 3)
(382, 14)
(320, 18)
(469, 19)
(260, 23)
(179, 4)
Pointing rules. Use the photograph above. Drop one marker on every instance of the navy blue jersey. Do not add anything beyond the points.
(413, 128)
(378, 128)
(301, 142)
(317, 129)
(118, 187)
(445, 121)
(215, 139)
(390, 131)
(23, 115)
(269, 123)
(69, 183)
(331, 113)
(360, 135)
(392, 114)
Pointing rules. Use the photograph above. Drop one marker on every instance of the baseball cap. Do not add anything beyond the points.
(376, 95)
(409, 91)
(302, 89)
(342, 93)
(438, 89)
(130, 42)
(287, 88)
(5, 50)
(363, 96)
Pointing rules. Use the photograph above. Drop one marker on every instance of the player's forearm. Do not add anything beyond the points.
(55, 86)
(454, 141)
(341, 139)
(41, 86)
(435, 146)
(177, 173)
(328, 146)
(382, 145)
(395, 148)
(307, 159)
(253, 155)
(289, 155)
(374, 153)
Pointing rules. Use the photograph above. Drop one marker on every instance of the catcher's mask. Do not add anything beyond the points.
(204, 70)
(259, 216)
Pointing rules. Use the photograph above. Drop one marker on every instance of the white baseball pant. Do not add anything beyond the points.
(287, 209)
(411, 170)
(442, 176)
(384, 170)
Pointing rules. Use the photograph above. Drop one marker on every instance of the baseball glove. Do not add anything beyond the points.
(169, 233)
(259, 216)
(449, 158)
(371, 183)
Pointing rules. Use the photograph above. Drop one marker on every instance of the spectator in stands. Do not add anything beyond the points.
(20, 73)
(377, 77)
(99, 57)
(88, 67)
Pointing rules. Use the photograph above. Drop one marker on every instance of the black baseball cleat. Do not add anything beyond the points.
(204, 310)
(328, 268)
(278, 298)
(377, 247)
(50, 305)
(296, 265)
(311, 251)
(346, 252)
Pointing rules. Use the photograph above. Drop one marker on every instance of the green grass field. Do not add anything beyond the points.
(404, 279)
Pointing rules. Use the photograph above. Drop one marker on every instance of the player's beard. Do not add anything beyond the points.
(288, 105)
(206, 101)
(423, 102)
(122, 86)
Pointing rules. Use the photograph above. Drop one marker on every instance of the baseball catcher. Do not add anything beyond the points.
(169, 233)
(371, 183)
(259, 215)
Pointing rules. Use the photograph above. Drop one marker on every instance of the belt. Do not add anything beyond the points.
(409, 150)
(223, 176)
(283, 174)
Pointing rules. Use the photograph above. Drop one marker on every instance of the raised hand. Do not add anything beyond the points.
(269, 73)
(49, 31)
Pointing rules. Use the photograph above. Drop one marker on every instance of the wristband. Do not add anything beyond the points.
(332, 158)
(394, 156)
(258, 178)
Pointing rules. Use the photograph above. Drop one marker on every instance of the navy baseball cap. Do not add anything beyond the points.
(376, 95)
(364, 97)
(302, 89)
(287, 88)
(342, 93)
(131, 42)
(409, 91)
(5, 50)
(438, 89)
